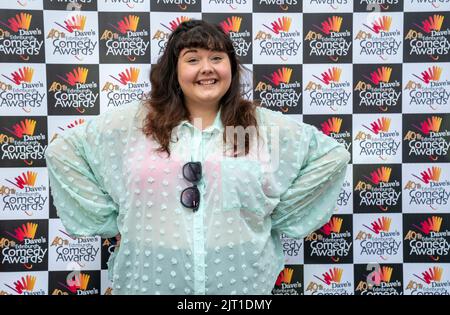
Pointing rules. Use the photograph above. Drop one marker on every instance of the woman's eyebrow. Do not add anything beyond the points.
(189, 51)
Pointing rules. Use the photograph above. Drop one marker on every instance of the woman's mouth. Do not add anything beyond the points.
(207, 82)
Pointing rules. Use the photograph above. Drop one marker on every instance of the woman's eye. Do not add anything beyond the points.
(217, 58)
(192, 60)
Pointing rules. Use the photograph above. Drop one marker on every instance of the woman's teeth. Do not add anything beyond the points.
(206, 82)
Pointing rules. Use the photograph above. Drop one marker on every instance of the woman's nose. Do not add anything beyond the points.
(206, 66)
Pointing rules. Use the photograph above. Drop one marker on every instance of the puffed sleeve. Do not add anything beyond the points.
(83, 206)
(309, 201)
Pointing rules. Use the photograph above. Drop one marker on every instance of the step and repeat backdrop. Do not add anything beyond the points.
(373, 74)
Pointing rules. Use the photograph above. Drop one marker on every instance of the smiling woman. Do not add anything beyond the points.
(192, 216)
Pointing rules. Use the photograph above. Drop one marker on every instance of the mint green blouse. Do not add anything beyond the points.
(106, 178)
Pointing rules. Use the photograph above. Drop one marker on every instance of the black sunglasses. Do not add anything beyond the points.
(190, 196)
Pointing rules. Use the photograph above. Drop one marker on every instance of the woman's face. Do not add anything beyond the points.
(204, 75)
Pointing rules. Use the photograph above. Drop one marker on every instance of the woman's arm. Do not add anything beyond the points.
(73, 160)
(311, 198)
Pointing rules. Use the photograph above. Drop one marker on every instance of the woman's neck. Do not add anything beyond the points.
(202, 117)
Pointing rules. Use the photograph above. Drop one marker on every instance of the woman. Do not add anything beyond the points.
(199, 207)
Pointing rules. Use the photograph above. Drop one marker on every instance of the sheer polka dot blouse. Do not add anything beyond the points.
(107, 178)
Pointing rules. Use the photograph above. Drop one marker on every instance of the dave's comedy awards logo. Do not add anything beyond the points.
(377, 138)
(73, 90)
(23, 245)
(427, 88)
(332, 243)
(378, 238)
(378, 279)
(121, 85)
(427, 37)
(277, 40)
(426, 238)
(327, 89)
(124, 38)
(23, 195)
(22, 90)
(377, 189)
(427, 188)
(23, 141)
(25, 285)
(74, 283)
(328, 281)
(327, 38)
(426, 138)
(427, 280)
(65, 250)
(377, 89)
(338, 127)
(289, 281)
(239, 28)
(21, 36)
(278, 88)
(71, 38)
(378, 38)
